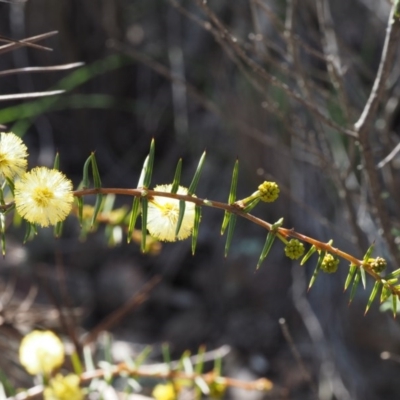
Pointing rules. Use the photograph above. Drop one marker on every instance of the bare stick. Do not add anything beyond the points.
(365, 124)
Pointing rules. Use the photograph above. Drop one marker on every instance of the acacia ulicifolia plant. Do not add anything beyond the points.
(44, 197)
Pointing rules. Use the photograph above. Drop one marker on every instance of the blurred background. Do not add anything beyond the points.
(170, 70)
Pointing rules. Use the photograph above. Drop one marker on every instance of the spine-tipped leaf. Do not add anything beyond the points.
(95, 172)
(79, 200)
(85, 178)
(177, 177)
(356, 282)
(232, 196)
(56, 164)
(149, 167)
(97, 207)
(231, 228)
(58, 229)
(310, 252)
(269, 241)
(374, 292)
(363, 277)
(195, 233)
(350, 276)
(182, 207)
(143, 172)
(196, 177)
(317, 269)
(144, 223)
(133, 217)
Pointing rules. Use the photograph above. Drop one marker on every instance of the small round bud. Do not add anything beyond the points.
(378, 264)
(269, 191)
(294, 249)
(330, 264)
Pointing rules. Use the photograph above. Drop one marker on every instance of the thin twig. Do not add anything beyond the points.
(62, 67)
(33, 95)
(271, 78)
(26, 42)
(365, 123)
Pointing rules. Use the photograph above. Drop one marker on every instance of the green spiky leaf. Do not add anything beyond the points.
(394, 305)
(177, 177)
(385, 294)
(30, 231)
(196, 177)
(58, 229)
(97, 208)
(269, 241)
(369, 252)
(350, 276)
(310, 252)
(195, 233)
(95, 172)
(232, 191)
(143, 172)
(374, 292)
(363, 277)
(133, 217)
(79, 200)
(182, 207)
(356, 282)
(317, 269)
(251, 205)
(231, 197)
(85, 179)
(149, 166)
(144, 223)
(393, 274)
(225, 222)
(231, 228)
(56, 164)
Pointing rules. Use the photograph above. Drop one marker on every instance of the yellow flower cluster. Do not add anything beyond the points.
(163, 214)
(42, 196)
(165, 391)
(64, 388)
(269, 191)
(41, 352)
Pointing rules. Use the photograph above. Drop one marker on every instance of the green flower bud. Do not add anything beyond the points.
(378, 264)
(294, 249)
(269, 191)
(330, 264)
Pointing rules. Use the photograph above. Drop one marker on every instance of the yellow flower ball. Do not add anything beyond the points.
(41, 352)
(163, 214)
(44, 196)
(13, 154)
(64, 388)
(164, 392)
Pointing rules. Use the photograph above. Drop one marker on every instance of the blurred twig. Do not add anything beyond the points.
(365, 123)
(62, 67)
(27, 42)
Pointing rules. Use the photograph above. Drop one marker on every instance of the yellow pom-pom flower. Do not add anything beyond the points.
(294, 249)
(13, 154)
(43, 196)
(163, 214)
(41, 352)
(164, 392)
(64, 388)
(269, 191)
